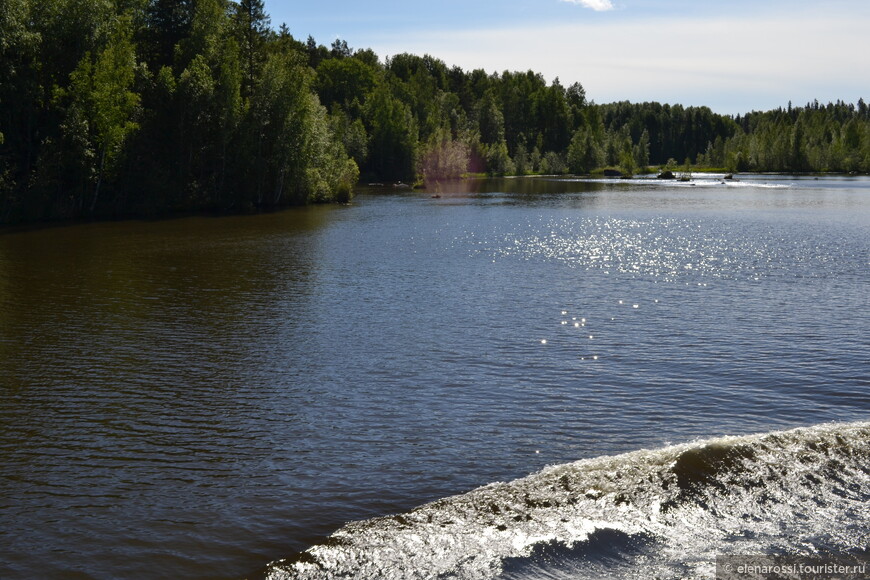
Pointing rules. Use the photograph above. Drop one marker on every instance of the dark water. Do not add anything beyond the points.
(198, 397)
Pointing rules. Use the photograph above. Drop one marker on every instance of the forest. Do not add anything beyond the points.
(116, 108)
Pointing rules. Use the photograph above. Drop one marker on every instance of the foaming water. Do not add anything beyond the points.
(198, 397)
(656, 513)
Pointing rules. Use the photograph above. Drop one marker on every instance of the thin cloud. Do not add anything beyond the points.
(597, 5)
(732, 65)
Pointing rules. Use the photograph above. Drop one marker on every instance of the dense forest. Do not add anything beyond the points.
(147, 107)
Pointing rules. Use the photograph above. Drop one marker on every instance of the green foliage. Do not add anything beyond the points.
(120, 107)
(641, 150)
(167, 23)
(627, 163)
(286, 130)
(346, 82)
(686, 173)
(490, 119)
(833, 137)
(392, 131)
(20, 93)
(351, 133)
(251, 28)
(147, 106)
(521, 159)
(553, 163)
(101, 108)
(585, 152)
(498, 162)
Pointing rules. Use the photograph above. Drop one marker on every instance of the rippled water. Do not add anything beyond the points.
(197, 397)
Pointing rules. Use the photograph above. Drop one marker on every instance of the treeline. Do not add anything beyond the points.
(833, 137)
(142, 107)
(815, 138)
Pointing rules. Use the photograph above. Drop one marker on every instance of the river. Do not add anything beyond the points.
(197, 397)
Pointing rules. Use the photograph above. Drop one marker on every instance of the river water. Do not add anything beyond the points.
(199, 397)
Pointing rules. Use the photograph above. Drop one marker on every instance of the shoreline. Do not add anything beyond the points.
(40, 224)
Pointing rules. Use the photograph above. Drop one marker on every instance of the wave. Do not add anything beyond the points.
(757, 184)
(650, 513)
(703, 180)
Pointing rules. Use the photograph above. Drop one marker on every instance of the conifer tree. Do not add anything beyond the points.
(252, 30)
(167, 22)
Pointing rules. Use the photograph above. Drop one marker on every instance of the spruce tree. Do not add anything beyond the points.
(167, 22)
(252, 30)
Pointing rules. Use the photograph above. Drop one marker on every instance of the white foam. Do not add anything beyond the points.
(742, 494)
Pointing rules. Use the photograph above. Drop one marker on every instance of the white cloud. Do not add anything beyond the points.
(597, 5)
(733, 65)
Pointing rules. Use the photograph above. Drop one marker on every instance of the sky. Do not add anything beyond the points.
(733, 56)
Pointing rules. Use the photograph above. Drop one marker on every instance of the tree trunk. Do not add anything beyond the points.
(99, 181)
(279, 189)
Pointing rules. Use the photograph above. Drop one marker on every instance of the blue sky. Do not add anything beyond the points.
(733, 56)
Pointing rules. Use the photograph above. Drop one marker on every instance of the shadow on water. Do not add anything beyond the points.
(607, 553)
(538, 190)
(150, 283)
(134, 357)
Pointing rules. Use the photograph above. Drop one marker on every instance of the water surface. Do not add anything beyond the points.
(198, 397)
